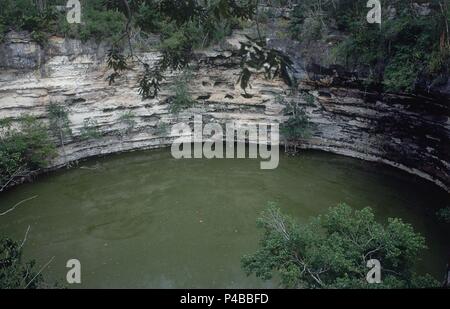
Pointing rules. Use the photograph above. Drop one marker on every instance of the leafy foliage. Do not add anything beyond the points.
(181, 11)
(177, 45)
(256, 57)
(117, 62)
(27, 15)
(14, 273)
(408, 48)
(150, 82)
(333, 249)
(309, 20)
(100, 25)
(90, 129)
(182, 98)
(23, 149)
(399, 54)
(58, 116)
(148, 17)
(128, 123)
(98, 22)
(298, 125)
(41, 19)
(193, 25)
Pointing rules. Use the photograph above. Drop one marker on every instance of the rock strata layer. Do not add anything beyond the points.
(408, 132)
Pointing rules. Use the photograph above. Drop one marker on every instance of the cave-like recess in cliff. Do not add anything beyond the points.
(145, 219)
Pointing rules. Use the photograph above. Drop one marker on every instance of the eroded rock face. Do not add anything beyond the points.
(409, 132)
(19, 53)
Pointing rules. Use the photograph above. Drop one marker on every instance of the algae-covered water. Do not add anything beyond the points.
(144, 219)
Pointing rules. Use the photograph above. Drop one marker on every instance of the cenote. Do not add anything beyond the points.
(146, 220)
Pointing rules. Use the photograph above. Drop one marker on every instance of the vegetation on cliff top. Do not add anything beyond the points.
(410, 48)
(178, 22)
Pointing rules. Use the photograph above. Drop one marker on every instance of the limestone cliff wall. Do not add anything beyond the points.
(409, 132)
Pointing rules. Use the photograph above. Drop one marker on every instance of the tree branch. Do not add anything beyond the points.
(17, 205)
(12, 177)
(25, 237)
(40, 271)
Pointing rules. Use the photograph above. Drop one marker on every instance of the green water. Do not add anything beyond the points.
(147, 220)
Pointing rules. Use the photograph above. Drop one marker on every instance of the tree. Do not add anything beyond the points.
(297, 126)
(59, 124)
(181, 99)
(332, 250)
(16, 274)
(127, 122)
(23, 149)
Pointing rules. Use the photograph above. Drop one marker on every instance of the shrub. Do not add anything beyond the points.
(58, 116)
(25, 15)
(98, 22)
(128, 123)
(148, 17)
(298, 125)
(400, 75)
(90, 129)
(101, 25)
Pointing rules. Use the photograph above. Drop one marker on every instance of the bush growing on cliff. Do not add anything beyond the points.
(90, 129)
(297, 126)
(58, 116)
(182, 98)
(23, 149)
(127, 122)
(332, 250)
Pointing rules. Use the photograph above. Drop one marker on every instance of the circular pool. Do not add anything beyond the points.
(146, 220)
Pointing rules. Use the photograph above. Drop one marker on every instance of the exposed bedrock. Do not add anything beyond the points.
(409, 132)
